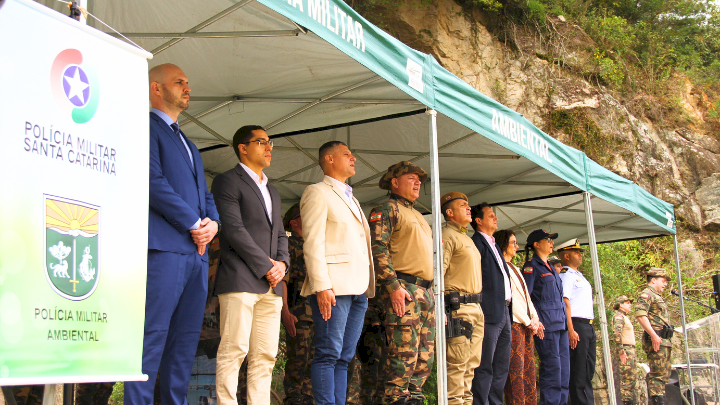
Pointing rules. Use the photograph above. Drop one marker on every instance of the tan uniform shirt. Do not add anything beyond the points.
(461, 260)
(623, 329)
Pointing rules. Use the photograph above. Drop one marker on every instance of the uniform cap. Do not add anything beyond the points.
(621, 300)
(397, 170)
(291, 214)
(553, 260)
(538, 235)
(658, 272)
(572, 244)
(452, 196)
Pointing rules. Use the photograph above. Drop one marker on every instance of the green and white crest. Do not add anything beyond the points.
(71, 247)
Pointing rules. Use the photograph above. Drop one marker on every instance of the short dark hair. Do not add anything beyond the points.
(326, 148)
(502, 237)
(243, 135)
(477, 212)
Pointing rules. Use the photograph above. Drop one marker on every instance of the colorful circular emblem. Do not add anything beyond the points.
(75, 85)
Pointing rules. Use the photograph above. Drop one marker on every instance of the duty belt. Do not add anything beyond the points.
(414, 280)
(582, 320)
(471, 299)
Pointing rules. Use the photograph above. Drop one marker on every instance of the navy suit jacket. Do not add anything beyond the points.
(248, 238)
(493, 300)
(178, 192)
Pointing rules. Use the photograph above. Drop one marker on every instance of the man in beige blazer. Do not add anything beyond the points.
(340, 275)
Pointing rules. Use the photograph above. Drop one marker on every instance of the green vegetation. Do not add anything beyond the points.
(584, 134)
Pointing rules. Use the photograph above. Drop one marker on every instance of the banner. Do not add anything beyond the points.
(73, 200)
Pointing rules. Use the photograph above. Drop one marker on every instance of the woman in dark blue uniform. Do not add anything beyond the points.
(546, 292)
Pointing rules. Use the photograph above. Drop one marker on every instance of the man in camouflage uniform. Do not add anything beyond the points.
(369, 353)
(652, 314)
(403, 254)
(625, 348)
(297, 318)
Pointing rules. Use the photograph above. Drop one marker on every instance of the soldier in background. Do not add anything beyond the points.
(625, 348)
(652, 314)
(297, 318)
(369, 352)
(555, 262)
(403, 254)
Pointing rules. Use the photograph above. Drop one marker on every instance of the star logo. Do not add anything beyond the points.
(76, 85)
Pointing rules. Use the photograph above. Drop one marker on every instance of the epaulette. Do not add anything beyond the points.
(563, 270)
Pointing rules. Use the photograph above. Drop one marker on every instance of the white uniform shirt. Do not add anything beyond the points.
(578, 290)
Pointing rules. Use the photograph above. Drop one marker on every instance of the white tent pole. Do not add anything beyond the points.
(682, 317)
(600, 300)
(440, 357)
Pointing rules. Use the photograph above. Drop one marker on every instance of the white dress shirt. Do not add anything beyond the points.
(347, 194)
(262, 185)
(501, 264)
(578, 290)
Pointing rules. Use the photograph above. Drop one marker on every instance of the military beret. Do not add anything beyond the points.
(452, 196)
(397, 170)
(291, 214)
(658, 272)
(572, 244)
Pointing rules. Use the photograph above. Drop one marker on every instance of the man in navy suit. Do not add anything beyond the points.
(182, 221)
(490, 376)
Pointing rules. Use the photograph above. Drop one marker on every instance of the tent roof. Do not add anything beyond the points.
(269, 62)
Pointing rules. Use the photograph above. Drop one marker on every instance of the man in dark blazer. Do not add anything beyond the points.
(182, 221)
(490, 376)
(253, 260)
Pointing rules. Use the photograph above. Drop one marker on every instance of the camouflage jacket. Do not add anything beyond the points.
(652, 305)
(622, 329)
(383, 219)
(296, 276)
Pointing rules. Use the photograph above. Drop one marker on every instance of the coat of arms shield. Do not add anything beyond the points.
(71, 247)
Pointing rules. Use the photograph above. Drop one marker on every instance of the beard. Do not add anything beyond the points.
(174, 100)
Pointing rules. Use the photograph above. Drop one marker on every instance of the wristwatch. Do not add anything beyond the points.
(219, 224)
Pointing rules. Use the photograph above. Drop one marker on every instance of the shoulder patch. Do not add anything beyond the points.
(376, 217)
(619, 318)
(527, 270)
(644, 296)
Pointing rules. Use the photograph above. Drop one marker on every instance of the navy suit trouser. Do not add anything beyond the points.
(554, 354)
(174, 307)
(489, 380)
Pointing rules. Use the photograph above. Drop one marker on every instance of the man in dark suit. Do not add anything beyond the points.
(490, 376)
(253, 260)
(182, 221)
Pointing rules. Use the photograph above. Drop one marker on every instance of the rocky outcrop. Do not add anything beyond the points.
(538, 75)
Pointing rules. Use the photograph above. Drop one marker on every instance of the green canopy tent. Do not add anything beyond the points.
(310, 71)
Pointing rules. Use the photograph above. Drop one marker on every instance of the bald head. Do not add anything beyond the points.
(169, 89)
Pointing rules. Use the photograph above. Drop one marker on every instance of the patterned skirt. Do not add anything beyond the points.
(520, 388)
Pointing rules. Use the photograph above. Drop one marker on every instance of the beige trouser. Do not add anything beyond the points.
(463, 356)
(249, 326)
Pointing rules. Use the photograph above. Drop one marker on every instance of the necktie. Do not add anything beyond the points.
(348, 192)
(176, 128)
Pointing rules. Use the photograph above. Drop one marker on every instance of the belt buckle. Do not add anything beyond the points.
(591, 322)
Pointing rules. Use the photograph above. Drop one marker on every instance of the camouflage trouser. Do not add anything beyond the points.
(659, 362)
(370, 349)
(627, 372)
(353, 382)
(300, 349)
(93, 394)
(28, 394)
(410, 349)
